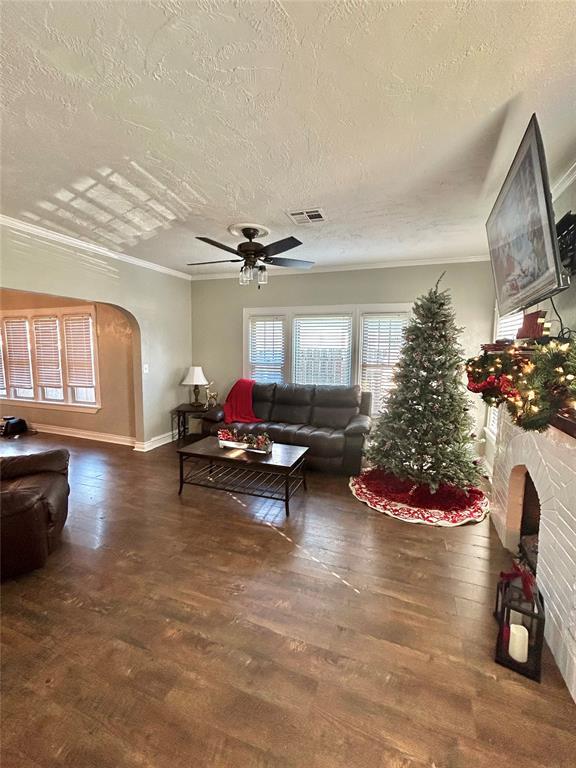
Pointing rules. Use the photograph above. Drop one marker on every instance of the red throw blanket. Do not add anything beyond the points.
(238, 405)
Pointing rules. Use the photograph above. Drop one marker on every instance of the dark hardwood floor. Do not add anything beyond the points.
(207, 630)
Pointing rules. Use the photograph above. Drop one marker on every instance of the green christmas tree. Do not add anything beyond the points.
(424, 432)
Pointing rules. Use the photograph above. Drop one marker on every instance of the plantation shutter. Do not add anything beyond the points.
(18, 353)
(47, 349)
(381, 344)
(322, 349)
(267, 349)
(79, 350)
(506, 328)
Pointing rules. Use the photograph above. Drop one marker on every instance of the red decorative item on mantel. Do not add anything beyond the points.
(533, 325)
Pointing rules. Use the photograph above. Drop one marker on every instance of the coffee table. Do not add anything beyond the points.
(275, 475)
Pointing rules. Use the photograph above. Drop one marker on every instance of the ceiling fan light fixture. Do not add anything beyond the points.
(245, 275)
(262, 275)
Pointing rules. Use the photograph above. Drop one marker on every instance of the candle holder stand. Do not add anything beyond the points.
(515, 605)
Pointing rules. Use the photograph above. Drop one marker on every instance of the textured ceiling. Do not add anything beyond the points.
(139, 125)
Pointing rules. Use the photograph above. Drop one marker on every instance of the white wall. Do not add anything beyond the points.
(217, 307)
(159, 302)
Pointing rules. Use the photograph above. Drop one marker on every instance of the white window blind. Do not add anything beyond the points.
(18, 358)
(381, 343)
(47, 350)
(506, 328)
(322, 349)
(267, 349)
(79, 350)
(2, 371)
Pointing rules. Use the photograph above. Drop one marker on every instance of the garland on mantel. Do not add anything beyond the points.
(536, 381)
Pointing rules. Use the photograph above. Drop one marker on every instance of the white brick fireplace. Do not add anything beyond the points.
(550, 459)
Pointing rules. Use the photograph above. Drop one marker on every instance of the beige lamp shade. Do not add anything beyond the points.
(194, 375)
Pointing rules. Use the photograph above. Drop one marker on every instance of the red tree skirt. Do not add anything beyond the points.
(449, 506)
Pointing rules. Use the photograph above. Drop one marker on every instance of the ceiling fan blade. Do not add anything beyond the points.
(216, 244)
(223, 261)
(280, 246)
(295, 263)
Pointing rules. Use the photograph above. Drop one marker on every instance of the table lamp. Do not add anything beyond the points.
(193, 378)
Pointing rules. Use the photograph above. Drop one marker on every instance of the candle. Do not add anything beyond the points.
(518, 643)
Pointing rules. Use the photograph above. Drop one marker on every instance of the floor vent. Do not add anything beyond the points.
(308, 216)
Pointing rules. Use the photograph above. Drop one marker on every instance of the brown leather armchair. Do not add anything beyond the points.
(332, 421)
(33, 507)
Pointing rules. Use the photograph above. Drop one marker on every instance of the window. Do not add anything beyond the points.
(48, 360)
(506, 328)
(267, 358)
(49, 357)
(381, 342)
(18, 358)
(322, 352)
(2, 370)
(80, 357)
(326, 345)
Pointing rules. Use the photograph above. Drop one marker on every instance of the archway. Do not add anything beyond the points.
(118, 416)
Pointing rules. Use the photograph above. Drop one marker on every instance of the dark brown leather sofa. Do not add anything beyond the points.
(332, 421)
(33, 506)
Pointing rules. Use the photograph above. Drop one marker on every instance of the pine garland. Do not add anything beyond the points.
(424, 431)
(536, 384)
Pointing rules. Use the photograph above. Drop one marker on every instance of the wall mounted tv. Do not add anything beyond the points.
(521, 232)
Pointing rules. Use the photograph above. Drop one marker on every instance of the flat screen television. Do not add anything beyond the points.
(521, 231)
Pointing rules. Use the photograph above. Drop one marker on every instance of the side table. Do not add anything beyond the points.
(180, 416)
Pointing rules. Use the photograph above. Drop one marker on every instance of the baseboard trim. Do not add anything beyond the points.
(155, 442)
(105, 437)
(101, 437)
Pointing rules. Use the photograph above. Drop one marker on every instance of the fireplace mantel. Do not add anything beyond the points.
(566, 424)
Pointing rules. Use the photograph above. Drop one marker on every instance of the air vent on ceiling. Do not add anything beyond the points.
(308, 216)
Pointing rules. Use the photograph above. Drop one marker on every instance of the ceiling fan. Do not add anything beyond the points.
(255, 255)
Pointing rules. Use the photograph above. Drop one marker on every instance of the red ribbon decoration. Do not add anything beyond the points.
(526, 576)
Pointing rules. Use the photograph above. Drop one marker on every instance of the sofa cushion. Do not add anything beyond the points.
(334, 406)
(335, 418)
(255, 428)
(337, 396)
(291, 414)
(294, 394)
(32, 463)
(322, 441)
(262, 399)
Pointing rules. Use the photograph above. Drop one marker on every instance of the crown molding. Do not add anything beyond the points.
(354, 267)
(564, 182)
(73, 242)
